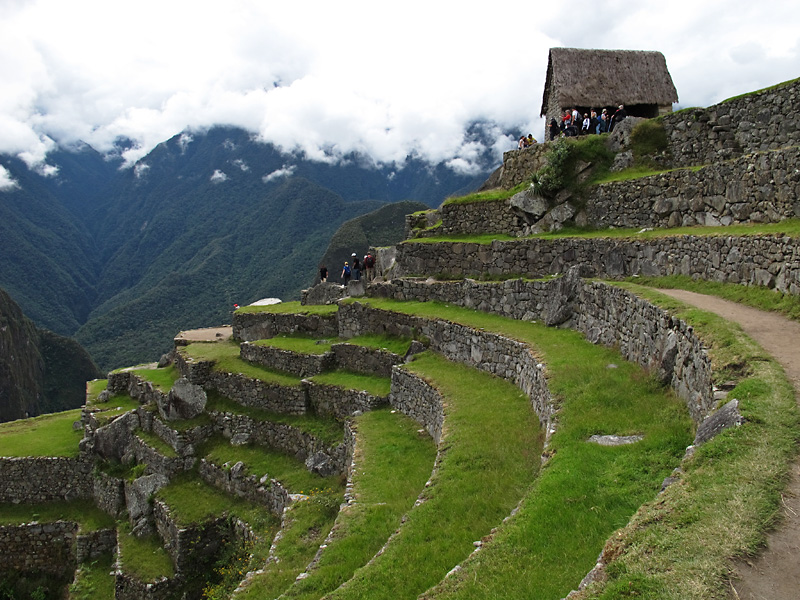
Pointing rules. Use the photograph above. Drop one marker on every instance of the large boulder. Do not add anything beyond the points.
(185, 400)
(137, 499)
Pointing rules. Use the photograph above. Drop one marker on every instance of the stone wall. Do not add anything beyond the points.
(496, 354)
(190, 546)
(519, 165)
(248, 327)
(46, 547)
(127, 587)
(242, 429)
(109, 494)
(296, 363)
(92, 545)
(361, 359)
(258, 394)
(416, 398)
(755, 188)
(234, 481)
(755, 122)
(323, 293)
(605, 314)
(763, 260)
(45, 479)
(339, 403)
(157, 462)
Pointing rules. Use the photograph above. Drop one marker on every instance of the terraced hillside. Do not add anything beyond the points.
(497, 415)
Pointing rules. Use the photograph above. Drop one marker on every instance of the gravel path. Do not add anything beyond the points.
(775, 573)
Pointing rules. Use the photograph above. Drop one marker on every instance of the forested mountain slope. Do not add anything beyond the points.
(124, 259)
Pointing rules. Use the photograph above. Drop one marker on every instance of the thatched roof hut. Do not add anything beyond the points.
(584, 79)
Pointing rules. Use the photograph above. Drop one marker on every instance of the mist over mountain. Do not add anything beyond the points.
(123, 259)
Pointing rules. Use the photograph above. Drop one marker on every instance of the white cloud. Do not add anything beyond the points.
(218, 177)
(240, 164)
(333, 78)
(7, 182)
(285, 171)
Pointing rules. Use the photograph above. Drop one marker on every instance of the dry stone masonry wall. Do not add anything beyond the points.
(756, 122)
(37, 480)
(248, 327)
(762, 260)
(605, 314)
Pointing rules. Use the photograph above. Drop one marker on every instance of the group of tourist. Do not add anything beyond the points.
(352, 269)
(526, 142)
(572, 124)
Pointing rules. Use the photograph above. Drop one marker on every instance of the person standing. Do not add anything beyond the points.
(356, 268)
(323, 273)
(346, 273)
(369, 267)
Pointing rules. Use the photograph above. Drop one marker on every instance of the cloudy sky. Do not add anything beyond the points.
(383, 78)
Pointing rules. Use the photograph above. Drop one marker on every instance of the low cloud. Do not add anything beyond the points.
(7, 182)
(218, 177)
(277, 174)
(330, 79)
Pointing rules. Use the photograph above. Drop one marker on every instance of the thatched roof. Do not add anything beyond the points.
(581, 77)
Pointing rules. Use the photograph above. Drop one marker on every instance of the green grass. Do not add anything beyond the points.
(157, 443)
(495, 195)
(163, 379)
(94, 580)
(192, 500)
(395, 345)
(259, 460)
(93, 389)
(145, 558)
(393, 462)
(301, 344)
(585, 491)
(491, 454)
(373, 384)
(226, 360)
(680, 545)
(114, 407)
(293, 308)
(327, 430)
(88, 517)
(789, 227)
(47, 435)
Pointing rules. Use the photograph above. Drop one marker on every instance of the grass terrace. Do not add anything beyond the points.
(225, 356)
(93, 389)
(145, 558)
(372, 384)
(789, 227)
(393, 462)
(88, 517)
(259, 460)
(94, 580)
(291, 308)
(586, 491)
(395, 345)
(46, 435)
(299, 344)
(191, 500)
(156, 443)
(163, 378)
(328, 430)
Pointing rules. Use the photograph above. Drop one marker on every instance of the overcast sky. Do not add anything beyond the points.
(383, 78)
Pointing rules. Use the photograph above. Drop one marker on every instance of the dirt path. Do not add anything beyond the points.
(207, 334)
(775, 573)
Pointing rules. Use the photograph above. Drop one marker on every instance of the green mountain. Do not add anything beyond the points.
(124, 259)
(40, 371)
